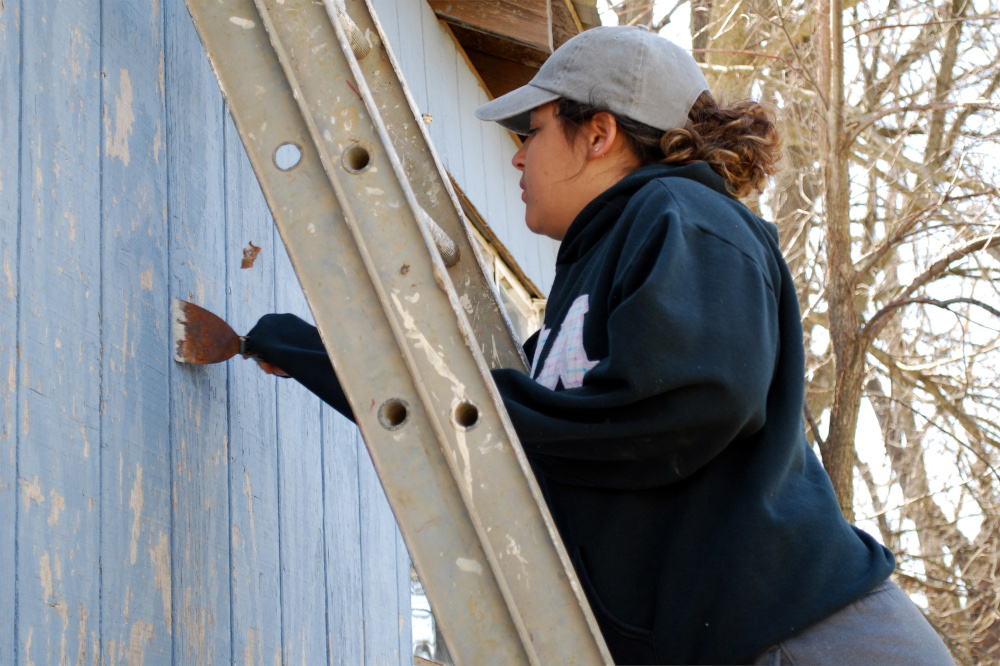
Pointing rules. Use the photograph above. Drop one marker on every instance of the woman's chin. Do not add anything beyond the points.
(535, 226)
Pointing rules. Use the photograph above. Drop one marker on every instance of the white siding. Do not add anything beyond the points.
(477, 154)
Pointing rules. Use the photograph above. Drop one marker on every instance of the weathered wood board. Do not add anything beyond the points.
(151, 511)
(10, 187)
(136, 601)
(58, 521)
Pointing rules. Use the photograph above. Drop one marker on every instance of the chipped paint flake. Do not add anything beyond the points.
(136, 502)
(117, 142)
(246, 24)
(146, 279)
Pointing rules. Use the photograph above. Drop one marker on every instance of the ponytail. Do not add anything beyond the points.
(740, 142)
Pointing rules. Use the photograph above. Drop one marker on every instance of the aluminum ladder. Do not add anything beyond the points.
(412, 324)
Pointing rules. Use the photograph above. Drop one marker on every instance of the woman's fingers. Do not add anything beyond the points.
(270, 368)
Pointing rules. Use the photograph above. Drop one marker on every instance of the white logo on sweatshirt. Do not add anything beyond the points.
(567, 360)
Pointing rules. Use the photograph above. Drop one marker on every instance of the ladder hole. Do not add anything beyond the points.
(356, 158)
(466, 415)
(287, 156)
(392, 414)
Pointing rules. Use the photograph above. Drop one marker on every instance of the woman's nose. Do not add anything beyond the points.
(518, 159)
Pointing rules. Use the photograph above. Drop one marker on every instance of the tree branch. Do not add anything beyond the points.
(944, 305)
(874, 326)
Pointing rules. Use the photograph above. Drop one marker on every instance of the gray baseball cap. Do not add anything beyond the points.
(629, 71)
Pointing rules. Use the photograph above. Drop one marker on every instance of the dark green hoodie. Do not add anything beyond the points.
(663, 420)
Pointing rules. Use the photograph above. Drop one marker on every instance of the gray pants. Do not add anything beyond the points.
(882, 628)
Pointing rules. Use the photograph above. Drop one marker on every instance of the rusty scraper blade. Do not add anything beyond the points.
(200, 336)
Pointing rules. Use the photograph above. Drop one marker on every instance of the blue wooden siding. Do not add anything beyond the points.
(136, 599)
(59, 335)
(10, 119)
(159, 512)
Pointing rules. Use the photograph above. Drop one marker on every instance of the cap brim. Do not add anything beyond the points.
(513, 110)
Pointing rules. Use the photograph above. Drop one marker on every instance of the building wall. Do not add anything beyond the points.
(149, 510)
(477, 154)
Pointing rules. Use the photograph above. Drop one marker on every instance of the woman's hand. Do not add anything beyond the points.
(270, 368)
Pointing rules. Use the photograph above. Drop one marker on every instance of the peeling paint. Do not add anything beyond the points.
(159, 555)
(140, 635)
(58, 505)
(31, 491)
(62, 610)
(81, 636)
(8, 427)
(8, 275)
(125, 338)
(27, 648)
(157, 143)
(248, 491)
(146, 279)
(117, 142)
(248, 650)
(86, 442)
(77, 40)
(136, 502)
(163, 76)
(194, 620)
(45, 576)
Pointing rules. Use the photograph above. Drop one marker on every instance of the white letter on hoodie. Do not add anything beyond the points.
(567, 360)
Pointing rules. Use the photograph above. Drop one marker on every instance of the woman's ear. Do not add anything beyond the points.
(602, 130)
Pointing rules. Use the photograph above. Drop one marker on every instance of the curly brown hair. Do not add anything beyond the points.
(739, 141)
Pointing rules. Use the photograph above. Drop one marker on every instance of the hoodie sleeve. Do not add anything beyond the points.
(692, 338)
(296, 347)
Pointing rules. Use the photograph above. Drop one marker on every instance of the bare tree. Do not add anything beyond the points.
(888, 213)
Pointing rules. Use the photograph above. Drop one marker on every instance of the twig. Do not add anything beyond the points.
(944, 305)
(813, 425)
(663, 22)
(874, 326)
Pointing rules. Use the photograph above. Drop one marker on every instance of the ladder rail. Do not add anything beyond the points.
(409, 136)
(451, 466)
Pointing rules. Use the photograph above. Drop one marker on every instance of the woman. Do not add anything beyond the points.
(663, 412)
